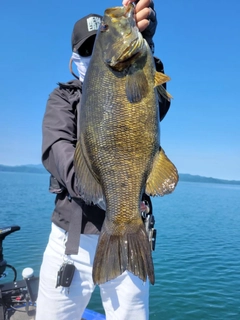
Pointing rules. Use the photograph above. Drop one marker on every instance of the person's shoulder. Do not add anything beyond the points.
(67, 89)
(70, 85)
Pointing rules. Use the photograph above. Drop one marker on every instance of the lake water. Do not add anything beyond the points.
(197, 255)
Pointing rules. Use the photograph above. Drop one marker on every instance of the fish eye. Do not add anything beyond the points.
(104, 27)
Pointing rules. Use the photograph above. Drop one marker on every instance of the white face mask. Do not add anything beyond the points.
(81, 63)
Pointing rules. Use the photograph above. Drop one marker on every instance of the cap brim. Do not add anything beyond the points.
(80, 43)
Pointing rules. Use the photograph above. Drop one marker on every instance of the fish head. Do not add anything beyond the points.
(119, 37)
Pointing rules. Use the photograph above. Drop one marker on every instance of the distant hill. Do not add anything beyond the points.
(196, 178)
(39, 168)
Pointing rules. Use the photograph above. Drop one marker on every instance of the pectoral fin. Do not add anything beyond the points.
(136, 86)
(163, 177)
(88, 184)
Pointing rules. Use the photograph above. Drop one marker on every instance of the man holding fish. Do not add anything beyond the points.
(80, 185)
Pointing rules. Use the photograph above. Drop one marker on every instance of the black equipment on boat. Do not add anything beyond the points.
(15, 295)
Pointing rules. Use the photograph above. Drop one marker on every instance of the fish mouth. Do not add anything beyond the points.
(118, 12)
(128, 43)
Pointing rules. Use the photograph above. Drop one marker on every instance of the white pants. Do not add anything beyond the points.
(123, 298)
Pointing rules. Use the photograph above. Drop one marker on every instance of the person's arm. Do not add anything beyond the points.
(146, 20)
(59, 134)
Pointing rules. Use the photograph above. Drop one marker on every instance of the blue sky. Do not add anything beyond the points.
(199, 43)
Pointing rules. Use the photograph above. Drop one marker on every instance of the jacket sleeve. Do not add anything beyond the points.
(59, 136)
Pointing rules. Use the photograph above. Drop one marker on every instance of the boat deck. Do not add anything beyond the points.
(21, 314)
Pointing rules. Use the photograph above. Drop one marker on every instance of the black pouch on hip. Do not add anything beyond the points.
(65, 275)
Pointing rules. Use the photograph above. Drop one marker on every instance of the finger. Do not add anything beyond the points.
(144, 17)
(143, 24)
(146, 13)
(126, 2)
(141, 4)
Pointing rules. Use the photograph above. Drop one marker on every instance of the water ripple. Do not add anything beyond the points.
(197, 256)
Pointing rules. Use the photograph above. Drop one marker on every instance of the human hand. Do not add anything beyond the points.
(144, 13)
(145, 18)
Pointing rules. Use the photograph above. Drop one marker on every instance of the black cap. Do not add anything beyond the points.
(85, 28)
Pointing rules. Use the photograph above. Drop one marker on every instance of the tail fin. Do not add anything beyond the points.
(117, 253)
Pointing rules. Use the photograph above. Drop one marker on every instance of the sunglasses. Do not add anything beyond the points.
(87, 47)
